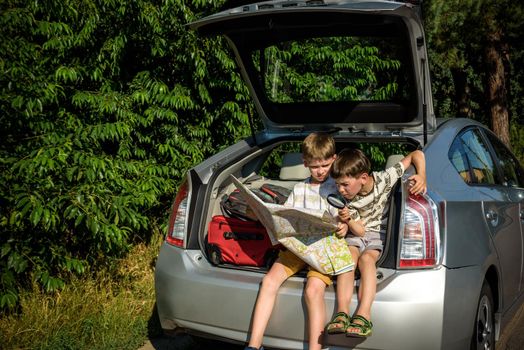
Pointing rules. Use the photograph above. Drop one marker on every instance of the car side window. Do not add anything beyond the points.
(511, 171)
(471, 158)
(458, 158)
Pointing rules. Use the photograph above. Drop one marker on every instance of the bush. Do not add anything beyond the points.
(104, 106)
(111, 309)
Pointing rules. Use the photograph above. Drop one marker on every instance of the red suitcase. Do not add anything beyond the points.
(238, 242)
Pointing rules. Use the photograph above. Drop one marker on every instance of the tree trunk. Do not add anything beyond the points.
(496, 86)
(462, 93)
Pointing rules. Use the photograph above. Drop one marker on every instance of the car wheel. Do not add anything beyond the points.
(484, 328)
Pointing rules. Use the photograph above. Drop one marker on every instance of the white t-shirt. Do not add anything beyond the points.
(313, 196)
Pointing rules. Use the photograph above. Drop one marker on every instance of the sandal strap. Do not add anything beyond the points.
(365, 322)
(340, 317)
(363, 329)
(360, 327)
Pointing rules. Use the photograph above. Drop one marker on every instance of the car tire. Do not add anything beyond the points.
(484, 327)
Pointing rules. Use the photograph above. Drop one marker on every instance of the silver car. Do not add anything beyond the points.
(451, 274)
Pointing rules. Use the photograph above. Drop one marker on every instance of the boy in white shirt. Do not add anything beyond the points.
(319, 153)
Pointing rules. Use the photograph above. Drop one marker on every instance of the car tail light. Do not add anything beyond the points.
(419, 231)
(178, 218)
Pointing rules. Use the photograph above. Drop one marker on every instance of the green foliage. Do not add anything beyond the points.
(330, 69)
(104, 105)
(378, 153)
(516, 100)
(457, 33)
(110, 309)
(273, 162)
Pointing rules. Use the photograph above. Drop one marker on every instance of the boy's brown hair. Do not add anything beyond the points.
(318, 145)
(350, 162)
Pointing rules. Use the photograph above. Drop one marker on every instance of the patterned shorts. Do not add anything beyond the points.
(370, 241)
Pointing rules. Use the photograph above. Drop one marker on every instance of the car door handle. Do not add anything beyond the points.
(492, 217)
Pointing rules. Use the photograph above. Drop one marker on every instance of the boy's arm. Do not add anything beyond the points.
(418, 181)
(355, 226)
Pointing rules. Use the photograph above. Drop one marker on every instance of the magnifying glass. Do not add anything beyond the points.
(336, 200)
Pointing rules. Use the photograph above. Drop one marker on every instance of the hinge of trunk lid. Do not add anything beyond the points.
(366, 133)
(251, 125)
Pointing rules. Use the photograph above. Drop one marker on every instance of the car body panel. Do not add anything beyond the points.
(186, 276)
(501, 238)
(501, 219)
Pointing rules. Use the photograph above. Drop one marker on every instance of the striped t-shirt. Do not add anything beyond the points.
(372, 208)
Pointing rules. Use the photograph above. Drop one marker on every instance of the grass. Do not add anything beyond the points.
(110, 311)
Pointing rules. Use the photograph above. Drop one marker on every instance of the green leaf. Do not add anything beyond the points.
(36, 214)
(6, 248)
(8, 299)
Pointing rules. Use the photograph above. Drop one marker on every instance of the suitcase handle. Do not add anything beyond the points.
(243, 236)
(271, 193)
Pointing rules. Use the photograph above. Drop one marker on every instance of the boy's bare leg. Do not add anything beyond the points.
(345, 284)
(265, 302)
(314, 295)
(368, 282)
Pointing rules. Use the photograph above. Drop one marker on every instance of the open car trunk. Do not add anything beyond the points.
(281, 165)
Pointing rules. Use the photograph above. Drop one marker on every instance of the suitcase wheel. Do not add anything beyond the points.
(215, 256)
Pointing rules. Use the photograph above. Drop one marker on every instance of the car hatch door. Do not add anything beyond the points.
(355, 65)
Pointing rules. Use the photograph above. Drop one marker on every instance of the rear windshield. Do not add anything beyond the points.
(334, 68)
(345, 68)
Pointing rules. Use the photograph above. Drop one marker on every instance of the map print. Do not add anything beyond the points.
(308, 233)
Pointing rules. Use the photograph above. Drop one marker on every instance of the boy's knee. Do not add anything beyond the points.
(364, 260)
(270, 282)
(315, 291)
(368, 258)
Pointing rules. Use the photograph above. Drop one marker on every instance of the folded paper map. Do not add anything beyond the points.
(308, 233)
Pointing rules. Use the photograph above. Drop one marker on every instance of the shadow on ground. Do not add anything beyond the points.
(511, 339)
(158, 340)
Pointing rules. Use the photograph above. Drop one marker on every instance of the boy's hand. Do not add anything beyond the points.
(342, 230)
(417, 184)
(343, 214)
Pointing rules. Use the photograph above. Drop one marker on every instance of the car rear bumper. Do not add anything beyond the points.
(408, 312)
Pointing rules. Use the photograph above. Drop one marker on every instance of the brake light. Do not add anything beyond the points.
(419, 232)
(177, 220)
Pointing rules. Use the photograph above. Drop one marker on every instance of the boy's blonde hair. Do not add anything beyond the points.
(350, 162)
(318, 145)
